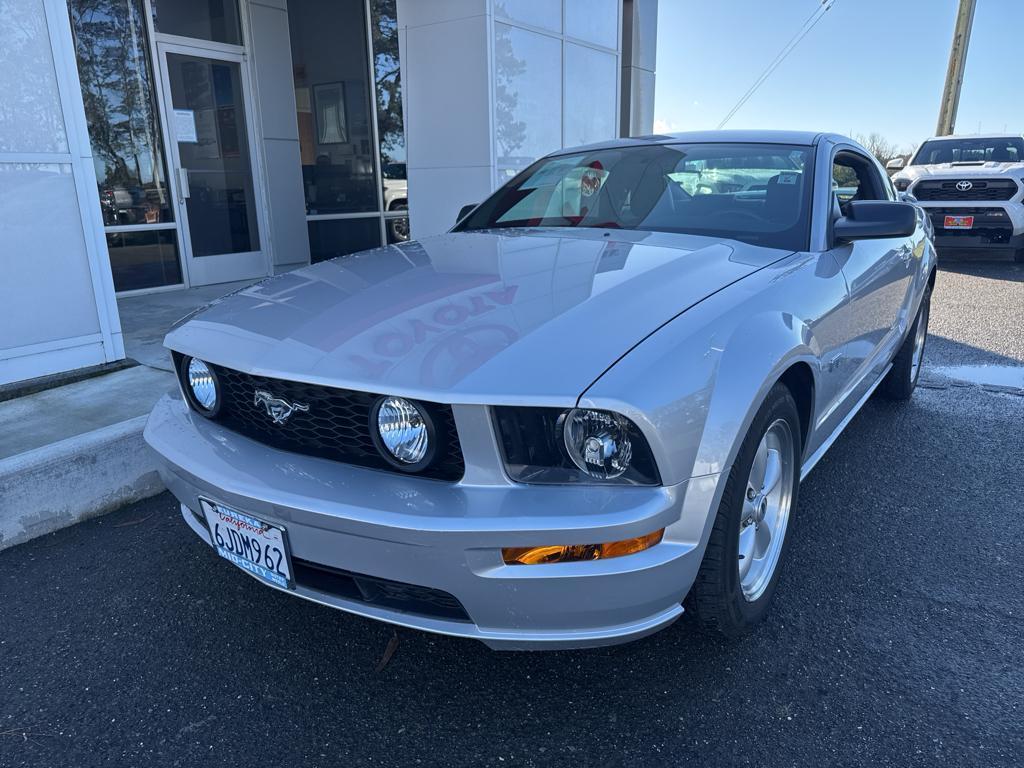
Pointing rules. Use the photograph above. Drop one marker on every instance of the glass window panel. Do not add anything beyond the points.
(31, 119)
(538, 13)
(215, 20)
(593, 21)
(591, 82)
(144, 259)
(221, 203)
(528, 105)
(332, 96)
(340, 237)
(121, 112)
(390, 125)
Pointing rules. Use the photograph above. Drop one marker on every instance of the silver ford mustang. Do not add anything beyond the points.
(587, 407)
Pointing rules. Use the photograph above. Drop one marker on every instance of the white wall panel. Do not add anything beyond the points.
(591, 85)
(42, 255)
(57, 308)
(270, 47)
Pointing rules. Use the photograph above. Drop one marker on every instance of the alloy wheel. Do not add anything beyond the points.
(767, 502)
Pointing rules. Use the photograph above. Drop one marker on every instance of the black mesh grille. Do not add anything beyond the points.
(981, 189)
(336, 426)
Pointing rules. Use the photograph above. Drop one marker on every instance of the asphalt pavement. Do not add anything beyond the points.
(896, 637)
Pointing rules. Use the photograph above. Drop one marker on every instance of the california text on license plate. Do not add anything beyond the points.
(958, 222)
(258, 547)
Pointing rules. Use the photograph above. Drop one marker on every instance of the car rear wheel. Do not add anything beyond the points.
(748, 542)
(901, 380)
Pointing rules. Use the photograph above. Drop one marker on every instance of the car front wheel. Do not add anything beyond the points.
(900, 382)
(748, 542)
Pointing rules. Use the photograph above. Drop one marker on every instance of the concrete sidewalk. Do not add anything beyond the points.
(76, 451)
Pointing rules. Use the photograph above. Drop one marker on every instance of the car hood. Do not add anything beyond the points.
(503, 317)
(960, 171)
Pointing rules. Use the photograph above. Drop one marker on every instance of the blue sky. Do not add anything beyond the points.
(868, 65)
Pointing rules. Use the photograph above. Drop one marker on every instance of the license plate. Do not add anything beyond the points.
(958, 222)
(258, 547)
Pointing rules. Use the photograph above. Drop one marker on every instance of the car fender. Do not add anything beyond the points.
(694, 386)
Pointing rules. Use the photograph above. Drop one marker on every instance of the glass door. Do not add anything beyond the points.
(216, 188)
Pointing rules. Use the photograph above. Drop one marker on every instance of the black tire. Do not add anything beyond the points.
(398, 229)
(901, 381)
(716, 600)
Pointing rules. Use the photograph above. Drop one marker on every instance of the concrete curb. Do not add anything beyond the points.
(58, 485)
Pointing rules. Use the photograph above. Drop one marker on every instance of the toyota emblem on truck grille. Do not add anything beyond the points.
(277, 408)
(964, 185)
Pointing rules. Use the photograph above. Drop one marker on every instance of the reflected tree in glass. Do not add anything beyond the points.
(117, 88)
(388, 76)
(510, 131)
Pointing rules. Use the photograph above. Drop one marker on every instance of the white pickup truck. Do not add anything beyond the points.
(972, 188)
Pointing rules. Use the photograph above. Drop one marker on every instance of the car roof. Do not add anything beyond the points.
(798, 138)
(958, 136)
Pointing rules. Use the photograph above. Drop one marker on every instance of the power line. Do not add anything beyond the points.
(809, 24)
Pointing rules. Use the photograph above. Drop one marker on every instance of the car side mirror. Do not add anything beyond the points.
(895, 164)
(464, 211)
(871, 219)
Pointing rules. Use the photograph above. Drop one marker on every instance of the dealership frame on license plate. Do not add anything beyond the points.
(958, 222)
(255, 546)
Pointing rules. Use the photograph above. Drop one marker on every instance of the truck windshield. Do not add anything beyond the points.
(1009, 149)
(756, 193)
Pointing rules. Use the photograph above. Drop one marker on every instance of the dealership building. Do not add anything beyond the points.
(162, 145)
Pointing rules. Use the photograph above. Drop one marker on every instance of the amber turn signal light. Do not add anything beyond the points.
(569, 553)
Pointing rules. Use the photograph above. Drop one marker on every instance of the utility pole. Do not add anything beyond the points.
(955, 72)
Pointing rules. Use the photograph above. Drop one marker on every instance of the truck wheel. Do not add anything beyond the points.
(740, 570)
(901, 381)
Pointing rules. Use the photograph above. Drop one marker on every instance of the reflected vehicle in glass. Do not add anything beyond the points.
(584, 410)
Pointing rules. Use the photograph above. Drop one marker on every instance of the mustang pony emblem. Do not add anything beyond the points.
(277, 408)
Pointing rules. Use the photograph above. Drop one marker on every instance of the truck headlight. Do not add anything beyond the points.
(574, 445)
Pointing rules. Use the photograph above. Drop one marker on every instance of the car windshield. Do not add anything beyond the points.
(1009, 149)
(756, 193)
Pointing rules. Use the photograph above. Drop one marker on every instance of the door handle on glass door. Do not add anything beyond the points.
(183, 190)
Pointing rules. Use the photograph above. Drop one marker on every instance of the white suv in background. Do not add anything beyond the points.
(972, 188)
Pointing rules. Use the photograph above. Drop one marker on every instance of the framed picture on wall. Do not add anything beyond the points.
(329, 108)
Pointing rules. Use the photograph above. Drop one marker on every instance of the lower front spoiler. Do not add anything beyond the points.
(498, 640)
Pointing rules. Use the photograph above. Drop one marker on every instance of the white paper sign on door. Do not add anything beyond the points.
(185, 126)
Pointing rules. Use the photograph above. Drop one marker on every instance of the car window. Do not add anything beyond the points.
(855, 177)
(756, 193)
(1008, 149)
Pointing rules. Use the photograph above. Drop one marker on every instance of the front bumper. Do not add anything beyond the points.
(447, 537)
(995, 226)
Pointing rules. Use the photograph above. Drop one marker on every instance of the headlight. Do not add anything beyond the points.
(902, 185)
(404, 432)
(201, 386)
(598, 442)
(563, 446)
